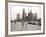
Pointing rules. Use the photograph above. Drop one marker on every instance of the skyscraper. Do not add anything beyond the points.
(35, 17)
(23, 15)
(18, 16)
(30, 15)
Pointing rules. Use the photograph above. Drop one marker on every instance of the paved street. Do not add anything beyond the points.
(26, 27)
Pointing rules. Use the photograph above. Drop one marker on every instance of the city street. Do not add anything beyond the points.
(26, 27)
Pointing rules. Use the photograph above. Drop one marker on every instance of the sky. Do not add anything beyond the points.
(19, 9)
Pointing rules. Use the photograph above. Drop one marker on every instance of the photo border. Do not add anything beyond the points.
(6, 17)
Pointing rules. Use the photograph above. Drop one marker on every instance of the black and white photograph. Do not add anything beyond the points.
(24, 18)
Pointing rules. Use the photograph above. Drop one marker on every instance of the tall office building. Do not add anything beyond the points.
(23, 15)
(30, 16)
(18, 16)
(35, 17)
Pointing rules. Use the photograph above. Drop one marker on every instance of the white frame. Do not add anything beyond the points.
(25, 32)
